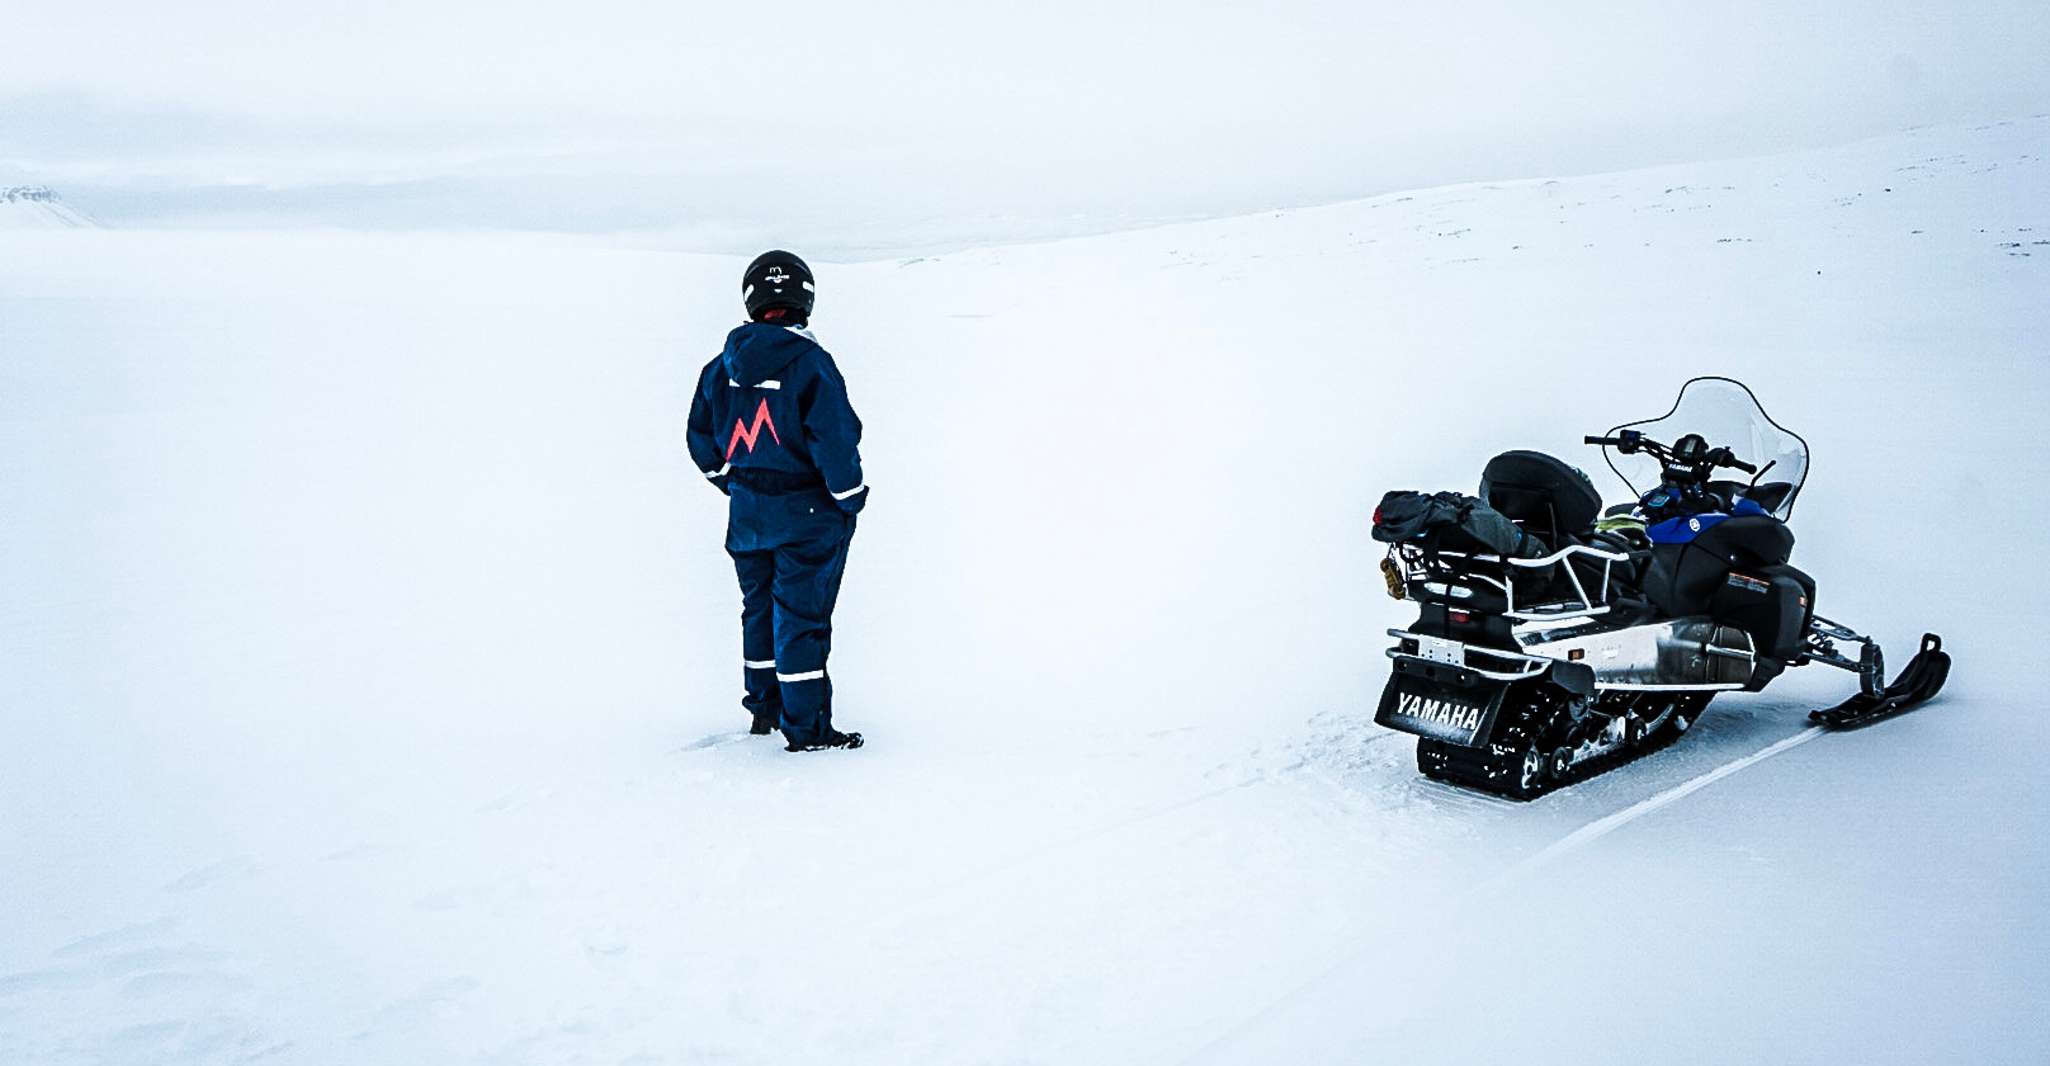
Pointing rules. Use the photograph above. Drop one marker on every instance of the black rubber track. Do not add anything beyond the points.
(1540, 726)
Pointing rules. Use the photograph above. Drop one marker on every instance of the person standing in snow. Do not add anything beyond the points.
(771, 427)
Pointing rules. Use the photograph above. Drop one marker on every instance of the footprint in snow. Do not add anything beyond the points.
(716, 740)
(158, 982)
(170, 982)
(357, 852)
(46, 979)
(424, 1001)
(502, 803)
(439, 901)
(605, 943)
(158, 958)
(116, 939)
(231, 869)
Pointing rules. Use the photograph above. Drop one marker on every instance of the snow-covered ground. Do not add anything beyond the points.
(370, 669)
(35, 207)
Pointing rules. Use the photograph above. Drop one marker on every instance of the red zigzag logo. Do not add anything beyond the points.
(750, 434)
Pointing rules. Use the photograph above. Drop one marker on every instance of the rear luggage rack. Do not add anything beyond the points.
(1421, 567)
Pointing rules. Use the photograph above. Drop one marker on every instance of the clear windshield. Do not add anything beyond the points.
(1724, 411)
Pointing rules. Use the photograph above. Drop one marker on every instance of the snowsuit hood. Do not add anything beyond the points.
(758, 351)
(771, 418)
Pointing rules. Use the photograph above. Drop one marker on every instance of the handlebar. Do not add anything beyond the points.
(1627, 442)
(1630, 441)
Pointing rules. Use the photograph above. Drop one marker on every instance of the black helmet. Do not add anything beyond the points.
(777, 279)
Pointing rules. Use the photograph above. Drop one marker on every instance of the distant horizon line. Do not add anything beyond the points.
(1000, 227)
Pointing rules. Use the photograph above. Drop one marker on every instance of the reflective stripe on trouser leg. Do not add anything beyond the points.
(757, 573)
(807, 586)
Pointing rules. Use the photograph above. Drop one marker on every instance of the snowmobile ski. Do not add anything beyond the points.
(1918, 682)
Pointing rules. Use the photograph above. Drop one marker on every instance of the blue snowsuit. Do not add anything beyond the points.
(771, 427)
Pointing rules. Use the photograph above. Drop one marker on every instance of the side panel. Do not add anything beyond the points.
(1771, 603)
(1683, 652)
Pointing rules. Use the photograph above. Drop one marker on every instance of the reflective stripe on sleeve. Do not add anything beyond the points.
(850, 492)
(719, 473)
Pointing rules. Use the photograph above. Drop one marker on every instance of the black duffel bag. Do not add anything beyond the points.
(1451, 521)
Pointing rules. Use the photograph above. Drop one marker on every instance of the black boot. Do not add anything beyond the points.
(833, 738)
(764, 724)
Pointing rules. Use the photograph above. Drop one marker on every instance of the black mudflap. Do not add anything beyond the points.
(1440, 702)
(1920, 680)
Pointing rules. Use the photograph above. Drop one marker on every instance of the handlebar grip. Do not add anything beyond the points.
(1599, 440)
(1725, 457)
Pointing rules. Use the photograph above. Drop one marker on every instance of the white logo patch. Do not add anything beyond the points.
(1442, 712)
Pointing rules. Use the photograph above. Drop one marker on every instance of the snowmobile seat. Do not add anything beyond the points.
(1557, 503)
(1542, 494)
(1758, 540)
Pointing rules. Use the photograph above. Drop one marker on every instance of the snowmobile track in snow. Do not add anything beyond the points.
(1607, 824)
(1508, 878)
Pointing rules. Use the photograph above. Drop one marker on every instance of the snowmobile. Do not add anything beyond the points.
(1555, 639)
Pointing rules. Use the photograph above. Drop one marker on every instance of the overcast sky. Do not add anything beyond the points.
(377, 112)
